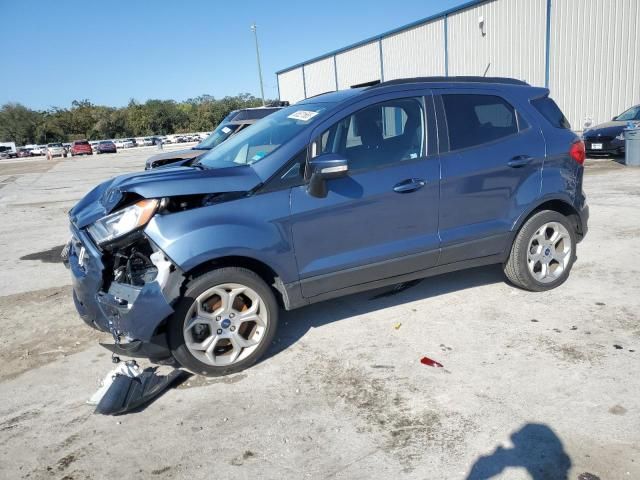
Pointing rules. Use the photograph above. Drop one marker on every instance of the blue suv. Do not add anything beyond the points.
(340, 193)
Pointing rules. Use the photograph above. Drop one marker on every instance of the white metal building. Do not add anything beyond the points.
(587, 52)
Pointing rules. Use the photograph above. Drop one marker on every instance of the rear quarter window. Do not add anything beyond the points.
(551, 112)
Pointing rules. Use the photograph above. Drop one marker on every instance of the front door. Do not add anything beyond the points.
(382, 219)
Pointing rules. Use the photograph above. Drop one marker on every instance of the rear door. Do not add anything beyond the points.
(382, 219)
(491, 156)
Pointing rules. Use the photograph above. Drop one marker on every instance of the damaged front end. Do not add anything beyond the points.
(126, 288)
(122, 282)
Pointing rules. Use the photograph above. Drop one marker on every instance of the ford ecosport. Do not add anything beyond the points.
(340, 193)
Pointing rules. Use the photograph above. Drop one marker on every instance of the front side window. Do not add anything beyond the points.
(376, 136)
(476, 119)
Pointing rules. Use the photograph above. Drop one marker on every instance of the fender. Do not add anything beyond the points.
(256, 227)
(565, 199)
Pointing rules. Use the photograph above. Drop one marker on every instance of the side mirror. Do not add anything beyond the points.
(323, 168)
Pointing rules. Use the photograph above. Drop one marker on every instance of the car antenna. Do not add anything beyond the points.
(486, 69)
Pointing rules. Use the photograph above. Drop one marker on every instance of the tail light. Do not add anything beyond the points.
(578, 152)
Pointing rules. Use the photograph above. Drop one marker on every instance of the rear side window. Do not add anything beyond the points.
(476, 119)
(549, 110)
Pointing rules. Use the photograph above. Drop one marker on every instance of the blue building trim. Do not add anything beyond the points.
(446, 45)
(438, 16)
(304, 83)
(381, 61)
(547, 60)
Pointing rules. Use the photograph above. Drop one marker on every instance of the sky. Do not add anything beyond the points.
(54, 52)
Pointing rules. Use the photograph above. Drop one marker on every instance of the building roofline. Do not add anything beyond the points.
(408, 26)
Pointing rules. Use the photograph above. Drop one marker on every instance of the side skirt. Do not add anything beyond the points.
(294, 298)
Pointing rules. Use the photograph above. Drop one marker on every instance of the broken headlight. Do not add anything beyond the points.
(123, 221)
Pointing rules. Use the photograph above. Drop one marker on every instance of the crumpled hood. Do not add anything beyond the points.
(612, 128)
(161, 183)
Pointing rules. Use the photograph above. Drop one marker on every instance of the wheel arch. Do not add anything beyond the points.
(260, 268)
(556, 204)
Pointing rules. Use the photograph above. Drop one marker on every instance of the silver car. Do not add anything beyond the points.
(55, 150)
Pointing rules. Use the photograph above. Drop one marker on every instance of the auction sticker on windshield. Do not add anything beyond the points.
(303, 115)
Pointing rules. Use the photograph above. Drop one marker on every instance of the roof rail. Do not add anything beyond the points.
(503, 80)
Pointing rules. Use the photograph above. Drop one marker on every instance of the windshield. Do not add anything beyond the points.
(219, 135)
(55, 144)
(255, 143)
(632, 114)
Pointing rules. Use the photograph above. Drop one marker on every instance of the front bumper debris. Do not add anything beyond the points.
(124, 310)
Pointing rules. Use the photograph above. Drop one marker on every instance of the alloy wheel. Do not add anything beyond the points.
(549, 252)
(225, 324)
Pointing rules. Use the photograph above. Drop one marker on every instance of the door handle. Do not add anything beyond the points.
(519, 161)
(409, 185)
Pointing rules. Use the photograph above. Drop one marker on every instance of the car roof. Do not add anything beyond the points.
(332, 97)
(434, 82)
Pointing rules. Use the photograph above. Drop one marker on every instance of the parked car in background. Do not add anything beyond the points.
(131, 142)
(123, 143)
(608, 138)
(339, 193)
(148, 141)
(38, 149)
(234, 122)
(105, 146)
(81, 147)
(8, 150)
(24, 152)
(55, 150)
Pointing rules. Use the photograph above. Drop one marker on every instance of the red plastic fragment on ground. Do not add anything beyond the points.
(429, 362)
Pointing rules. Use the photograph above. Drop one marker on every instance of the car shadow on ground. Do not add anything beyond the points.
(296, 323)
(536, 448)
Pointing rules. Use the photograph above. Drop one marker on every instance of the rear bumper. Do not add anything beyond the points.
(123, 310)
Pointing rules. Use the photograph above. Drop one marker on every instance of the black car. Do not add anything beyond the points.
(608, 138)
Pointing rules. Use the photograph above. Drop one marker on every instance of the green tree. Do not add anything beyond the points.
(86, 120)
(18, 123)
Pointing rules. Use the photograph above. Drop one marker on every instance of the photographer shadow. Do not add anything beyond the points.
(536, 448)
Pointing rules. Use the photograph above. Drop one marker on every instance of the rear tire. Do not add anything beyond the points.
(224, 323)
(542, 253)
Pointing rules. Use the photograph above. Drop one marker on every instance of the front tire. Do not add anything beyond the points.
(542, 253)
(224, 323)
